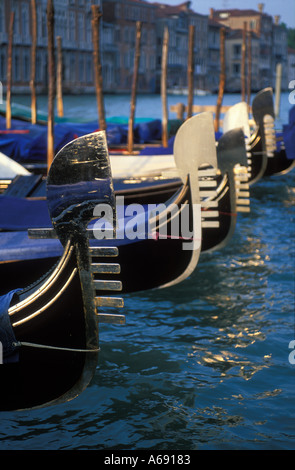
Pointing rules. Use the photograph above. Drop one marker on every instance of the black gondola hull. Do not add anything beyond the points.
(48, 365)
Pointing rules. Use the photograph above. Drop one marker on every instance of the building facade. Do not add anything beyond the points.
(72, 22)
(213, 56)
(270, 49)
(118, 29)
(121, 16)
(280, 51)
(233, 54)
(178, 20)
(291, 66)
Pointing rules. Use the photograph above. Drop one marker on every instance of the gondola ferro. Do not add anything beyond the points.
(49, 330)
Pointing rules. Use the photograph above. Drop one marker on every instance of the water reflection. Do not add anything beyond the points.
(202, 365)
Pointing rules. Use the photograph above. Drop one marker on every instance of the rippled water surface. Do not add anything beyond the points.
(203, 365)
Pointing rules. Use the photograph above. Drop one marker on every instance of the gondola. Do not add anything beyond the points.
(217, 188)
(144, 253)
(49, 330)
(233, 195)
(283, 160)
(266, 150)
(223, 183)
(273, 151)
(237, 116)
(229, 176)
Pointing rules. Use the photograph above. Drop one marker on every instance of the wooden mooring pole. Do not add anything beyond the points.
(221, 80)
(190, 71)
(96, 17)
(134, 87)
(278, 89)
(51, 83)
(164, 88)
(243, 63)
(59, 99)
(249, 75)
(9, 72)
(33, 63)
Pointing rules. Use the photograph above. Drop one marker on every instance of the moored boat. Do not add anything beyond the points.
(153, 179)
(265, 146)
(49, 329)
(144, 241)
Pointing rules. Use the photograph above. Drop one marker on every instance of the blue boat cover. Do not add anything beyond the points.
(17, 246)
(30, 143)
(159, 150)
(289, 135)
(21, 213)
(7, 337)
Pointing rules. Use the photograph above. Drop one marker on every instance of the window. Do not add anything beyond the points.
(253, 24)
(144, 36)
(25, 20)
(89, 68)
(126, 34)
(16, 23)
(107, 36)
(39, 68)
(44, 25)
(142, 62)
(81, 27)
(117, 35)
(236, 69)
(117, 10)
(16, 67)
(237, 50)
(26, 68)
(126, 58)
(88, 31)
(72, 68)
(72, 26)
(2, 18)
(2, 66)
(81, 69)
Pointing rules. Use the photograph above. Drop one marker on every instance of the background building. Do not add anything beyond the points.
(120, 16)
(178, 19)
(233, 55)
(213, 55)
(291, 65)
(118, 26)
(72, 23)
(270, 49)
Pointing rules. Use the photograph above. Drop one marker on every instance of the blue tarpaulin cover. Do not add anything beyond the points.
(289, 135)
(18, 213)
(17, 246)
(31, 143)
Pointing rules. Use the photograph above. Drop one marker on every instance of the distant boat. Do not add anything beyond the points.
(184, 91)
(266, 150)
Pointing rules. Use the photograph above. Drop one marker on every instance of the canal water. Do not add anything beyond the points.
(205, 365)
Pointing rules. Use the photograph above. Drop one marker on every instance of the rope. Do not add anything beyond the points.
(44, 346)
(157, 236)
(232, 214)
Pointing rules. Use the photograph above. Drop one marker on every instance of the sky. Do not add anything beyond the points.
(285, 8)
